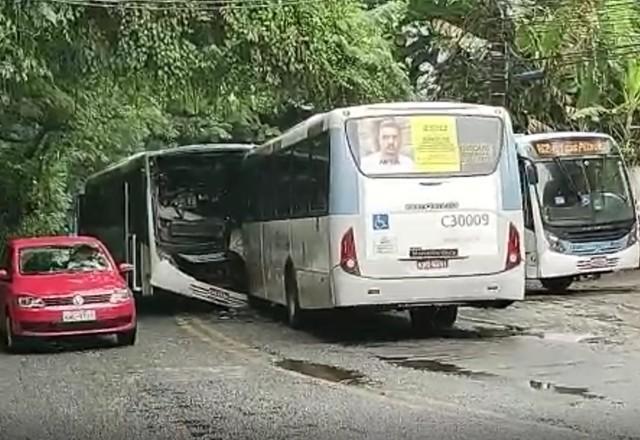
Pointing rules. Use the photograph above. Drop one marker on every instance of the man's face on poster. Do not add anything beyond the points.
(389, 141)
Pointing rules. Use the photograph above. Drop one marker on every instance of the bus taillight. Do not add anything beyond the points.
(514, 258)
(348, 257)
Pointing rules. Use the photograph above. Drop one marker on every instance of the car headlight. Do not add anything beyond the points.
(30, 302)
(121, 295)
(555, 243)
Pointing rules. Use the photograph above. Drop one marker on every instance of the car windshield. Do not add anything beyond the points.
(426, 144)
(62, 258)
(584, 191)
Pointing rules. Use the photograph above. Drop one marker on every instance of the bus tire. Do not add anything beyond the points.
(294, 312)
(557, 285)
(424, 319)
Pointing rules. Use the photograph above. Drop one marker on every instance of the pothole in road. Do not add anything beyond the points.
(321, 371)
(435, 366)
(573, 391)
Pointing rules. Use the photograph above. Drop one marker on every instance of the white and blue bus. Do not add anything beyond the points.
(392, 206)
(580, 215)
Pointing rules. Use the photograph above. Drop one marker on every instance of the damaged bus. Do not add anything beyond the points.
(169, 213)
(391, 206)
(579, 209)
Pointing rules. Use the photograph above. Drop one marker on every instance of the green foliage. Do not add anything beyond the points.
(82, 86)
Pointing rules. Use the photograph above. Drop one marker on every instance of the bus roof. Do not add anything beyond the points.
(194, 148)
(336, 117)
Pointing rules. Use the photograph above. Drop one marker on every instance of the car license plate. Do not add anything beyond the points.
(79, 315)
(433, 264)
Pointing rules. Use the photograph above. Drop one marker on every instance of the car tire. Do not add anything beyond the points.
(127, 338)
(10, 342)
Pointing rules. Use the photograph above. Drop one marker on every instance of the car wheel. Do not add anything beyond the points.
(10, 342)
(127, 338)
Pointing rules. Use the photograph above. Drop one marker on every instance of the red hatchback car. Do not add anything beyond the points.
(63, 286)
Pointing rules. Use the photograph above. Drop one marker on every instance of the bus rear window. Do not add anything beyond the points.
(425, 144)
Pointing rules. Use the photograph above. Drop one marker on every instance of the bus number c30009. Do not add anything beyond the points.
(464, 220)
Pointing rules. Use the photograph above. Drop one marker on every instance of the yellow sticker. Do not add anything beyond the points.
(435, 144)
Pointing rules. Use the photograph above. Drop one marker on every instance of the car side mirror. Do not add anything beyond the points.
(4, 275)
(125, 267)
(532, 174)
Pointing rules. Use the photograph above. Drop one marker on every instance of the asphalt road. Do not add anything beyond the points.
(551, 367)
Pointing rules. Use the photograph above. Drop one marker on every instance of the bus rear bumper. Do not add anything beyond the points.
(352, 291)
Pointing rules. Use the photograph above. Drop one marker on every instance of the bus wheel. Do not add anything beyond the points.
(432, 318)
(294, 313)
(445, 316)
(559, 284)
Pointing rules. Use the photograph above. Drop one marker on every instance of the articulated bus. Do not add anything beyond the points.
(391, 206)
(169, 213)
(579, 210)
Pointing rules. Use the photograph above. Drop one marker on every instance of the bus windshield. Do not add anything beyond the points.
(584, 191)
(192, 195)
(426, 144)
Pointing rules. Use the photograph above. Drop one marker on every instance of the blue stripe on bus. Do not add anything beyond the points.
(343, 198)
(510, 178)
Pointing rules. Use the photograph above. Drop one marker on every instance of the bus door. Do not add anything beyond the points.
(530, 243)
(134, 228)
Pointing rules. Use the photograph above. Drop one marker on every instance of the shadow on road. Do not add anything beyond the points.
(579, 292)
(48, 346)
(169, 304)
(359, 327)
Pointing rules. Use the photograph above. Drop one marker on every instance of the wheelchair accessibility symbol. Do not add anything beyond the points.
(380, 222)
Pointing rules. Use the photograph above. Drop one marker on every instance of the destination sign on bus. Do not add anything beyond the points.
(572, 147)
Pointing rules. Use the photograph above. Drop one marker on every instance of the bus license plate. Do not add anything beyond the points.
(433, 264)
(78, 315)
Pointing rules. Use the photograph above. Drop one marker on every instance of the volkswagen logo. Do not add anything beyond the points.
(78, 300)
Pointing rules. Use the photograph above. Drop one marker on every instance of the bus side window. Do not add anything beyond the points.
(282, 182)
(268, 188)
(320, 172)
(252, 193)
(527, 210)
(301, 182)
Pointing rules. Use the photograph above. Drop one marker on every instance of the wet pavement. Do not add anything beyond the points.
(554, 366)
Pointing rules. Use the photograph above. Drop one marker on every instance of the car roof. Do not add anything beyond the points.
(52, 241)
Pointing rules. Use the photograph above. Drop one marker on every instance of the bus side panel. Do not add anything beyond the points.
(310, 256)
(275, 246)
(309, 209)
(252, 242)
